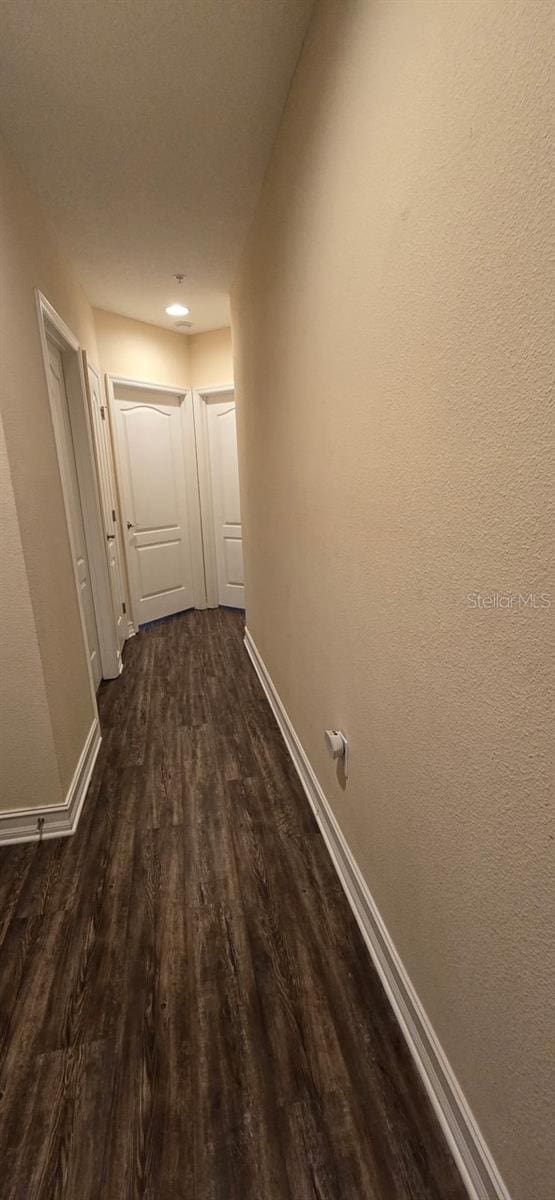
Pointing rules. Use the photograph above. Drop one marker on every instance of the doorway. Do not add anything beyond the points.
(109, 506)
(65, 380)
(218, 469)
(76, 524)
(178, 481)
(157, 474)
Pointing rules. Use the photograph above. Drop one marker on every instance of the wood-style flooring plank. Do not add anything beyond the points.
(187, 1009)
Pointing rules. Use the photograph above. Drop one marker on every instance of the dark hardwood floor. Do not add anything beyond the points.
(187, 1008)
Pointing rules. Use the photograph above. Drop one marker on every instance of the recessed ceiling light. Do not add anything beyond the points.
(177, 310)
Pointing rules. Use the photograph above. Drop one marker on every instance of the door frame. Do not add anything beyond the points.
(201, 398)
(191, 482)
(110, 466)
(52, 326)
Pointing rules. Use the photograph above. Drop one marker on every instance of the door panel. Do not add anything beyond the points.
(233, 552)
(151, 466)
(224, 471)
(155, 501)
(160, 566)
(77, 530)
(105, 471)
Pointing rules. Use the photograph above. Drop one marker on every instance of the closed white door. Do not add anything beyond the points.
(112, 532)
(226, 507)
(158, 481)
(77, 530)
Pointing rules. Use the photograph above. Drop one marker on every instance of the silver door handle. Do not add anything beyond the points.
(130, 525)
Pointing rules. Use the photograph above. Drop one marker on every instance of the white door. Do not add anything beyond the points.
(224, 474)
(112, 533)
(77, 530)
(155, 438)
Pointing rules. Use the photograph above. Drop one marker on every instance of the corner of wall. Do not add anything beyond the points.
(211, 358)
(136, 350)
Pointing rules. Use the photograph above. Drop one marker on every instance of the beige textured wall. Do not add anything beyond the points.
(136, 350)
(391, 325)
(27, 780)
(211, 358)
(29, 258)
(139, 351)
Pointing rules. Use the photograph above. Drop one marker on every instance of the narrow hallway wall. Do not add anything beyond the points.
(27, 780)
(135, 350)
(30, 258)
(393, 349)
(211, 358)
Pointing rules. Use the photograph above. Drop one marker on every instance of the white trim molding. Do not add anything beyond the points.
(220, 389)
(56, 820)
(125, 381)
(475, 1163)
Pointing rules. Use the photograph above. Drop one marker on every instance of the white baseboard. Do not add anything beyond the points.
(475, 1163)
(57, 820)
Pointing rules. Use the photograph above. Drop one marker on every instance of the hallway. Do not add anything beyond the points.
(187, 1007)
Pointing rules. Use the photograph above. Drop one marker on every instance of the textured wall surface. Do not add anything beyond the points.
(211, 358)
(29, 258)
(136, 350)
(392, 334)
(28, 776)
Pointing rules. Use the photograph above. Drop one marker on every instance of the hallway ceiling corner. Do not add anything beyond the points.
(145, 131)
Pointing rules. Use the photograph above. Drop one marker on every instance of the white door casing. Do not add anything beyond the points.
(159, 493)
(226, 505)
(76, 526)
(106, 484)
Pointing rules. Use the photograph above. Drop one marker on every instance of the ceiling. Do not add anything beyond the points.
(145, 129)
